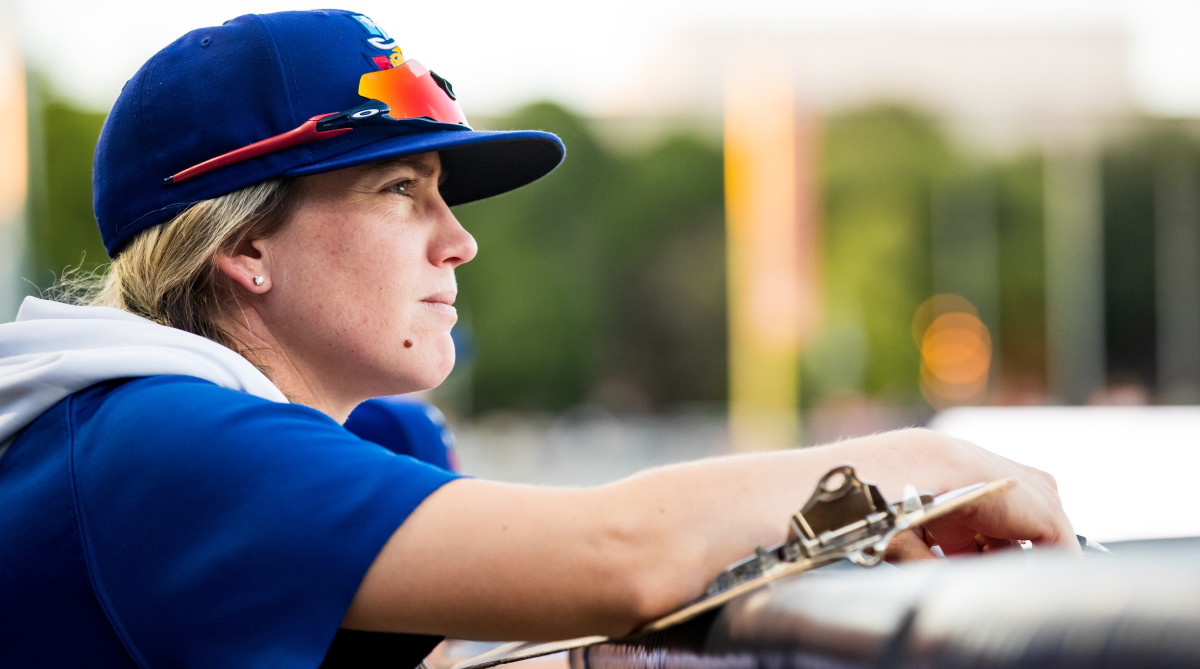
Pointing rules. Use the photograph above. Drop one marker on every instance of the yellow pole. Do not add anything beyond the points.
(765, 297)
(13, 165)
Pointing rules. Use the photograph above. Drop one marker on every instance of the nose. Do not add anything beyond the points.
(454, 245)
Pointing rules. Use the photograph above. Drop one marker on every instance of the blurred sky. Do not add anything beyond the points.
(504, 53)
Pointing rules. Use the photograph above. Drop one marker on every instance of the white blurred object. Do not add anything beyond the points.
(1124, 473)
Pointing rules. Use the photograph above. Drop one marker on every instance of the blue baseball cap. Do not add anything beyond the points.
(270, 95)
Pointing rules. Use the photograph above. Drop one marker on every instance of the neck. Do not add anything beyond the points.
(254, 341)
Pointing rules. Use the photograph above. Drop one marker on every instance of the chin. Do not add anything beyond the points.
(432, 375)
(441, 376)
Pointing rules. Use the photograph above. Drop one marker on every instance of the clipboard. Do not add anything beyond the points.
(845, 519)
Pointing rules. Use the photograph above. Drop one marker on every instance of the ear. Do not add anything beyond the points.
(247, 265)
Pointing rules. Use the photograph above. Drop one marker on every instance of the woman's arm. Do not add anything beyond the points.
(485, 560)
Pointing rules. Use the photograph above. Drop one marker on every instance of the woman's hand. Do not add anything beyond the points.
(1031, 510)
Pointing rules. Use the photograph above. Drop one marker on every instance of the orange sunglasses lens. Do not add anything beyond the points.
(411, 91)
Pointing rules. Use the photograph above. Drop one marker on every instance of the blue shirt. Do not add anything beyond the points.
(168, 522)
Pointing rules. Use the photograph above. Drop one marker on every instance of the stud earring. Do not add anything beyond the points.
(258, 280)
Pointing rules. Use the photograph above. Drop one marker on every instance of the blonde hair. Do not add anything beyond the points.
(168, 273)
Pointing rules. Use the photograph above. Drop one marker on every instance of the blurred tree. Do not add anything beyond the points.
(880, 166)
(531, 295)
(666, 275)
(1022, 326)
(62, 229)
(605, 282)
(1149, 190)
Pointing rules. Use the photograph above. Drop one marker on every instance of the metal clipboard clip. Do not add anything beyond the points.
(845, 519)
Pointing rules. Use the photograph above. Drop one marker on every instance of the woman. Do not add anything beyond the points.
(176, 485)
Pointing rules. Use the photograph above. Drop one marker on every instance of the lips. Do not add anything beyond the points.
(441, 302)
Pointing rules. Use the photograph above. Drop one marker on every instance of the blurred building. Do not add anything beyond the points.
(998, 87)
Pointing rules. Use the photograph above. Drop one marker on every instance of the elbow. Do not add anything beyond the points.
(659, 570)
(661, 592)
(646, 597)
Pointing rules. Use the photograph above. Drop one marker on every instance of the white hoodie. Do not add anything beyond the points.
(53, 350)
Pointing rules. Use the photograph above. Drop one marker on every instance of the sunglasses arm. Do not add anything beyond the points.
(305, 133)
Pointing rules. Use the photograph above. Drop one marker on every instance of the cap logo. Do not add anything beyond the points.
(381, 40)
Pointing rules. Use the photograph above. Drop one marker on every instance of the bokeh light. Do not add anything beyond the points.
(956, 351)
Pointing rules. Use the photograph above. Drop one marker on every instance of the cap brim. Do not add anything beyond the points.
(477, 163)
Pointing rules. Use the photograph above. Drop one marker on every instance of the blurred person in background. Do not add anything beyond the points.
(407, 426)
(177, 485)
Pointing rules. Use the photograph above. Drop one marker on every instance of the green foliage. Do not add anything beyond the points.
(1021, 217)
(880, 165)
(62, 229)
(1140, 171)
(604, 282)
(666, 287)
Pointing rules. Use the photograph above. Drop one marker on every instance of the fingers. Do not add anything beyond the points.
(988, 544)
(1027, 512)
(979, 544)
(1032, 510)
(908, 545)
(915, 544)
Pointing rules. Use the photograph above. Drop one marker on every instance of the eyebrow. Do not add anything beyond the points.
(423, 167)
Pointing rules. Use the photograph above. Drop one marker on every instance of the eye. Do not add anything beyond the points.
(403, 187)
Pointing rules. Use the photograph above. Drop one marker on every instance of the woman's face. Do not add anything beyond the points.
(362, 280)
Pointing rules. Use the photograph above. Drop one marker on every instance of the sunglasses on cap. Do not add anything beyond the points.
(407, 91)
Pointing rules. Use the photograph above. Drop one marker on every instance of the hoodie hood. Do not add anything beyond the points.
(53, 350)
